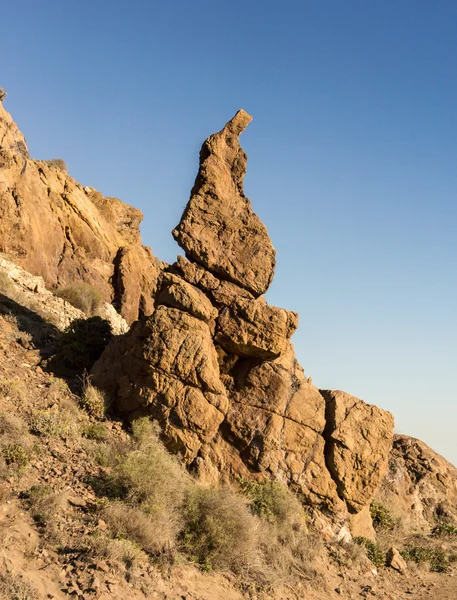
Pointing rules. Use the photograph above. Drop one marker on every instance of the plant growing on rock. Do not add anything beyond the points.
(3, 94)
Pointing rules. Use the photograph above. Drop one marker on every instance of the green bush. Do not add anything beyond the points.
(15, 454)
(374, 552)
(444, 529)
(96, 431)
(439, 561)
(82, 296)
(273, 502)
(381, 516)
(82, 343)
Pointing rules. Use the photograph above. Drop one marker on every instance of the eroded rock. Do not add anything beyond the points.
(219, 229)
(253, 328)
(359, 438)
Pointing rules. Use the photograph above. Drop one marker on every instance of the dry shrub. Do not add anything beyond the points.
(150, 482)
(153, 533)
(15, 445)
(115, 551)
(82, 296)
(56, 421)
(219, 532)
(93, 400)
(57, 163)
(2, 94)
(274, 502)
(153, 478)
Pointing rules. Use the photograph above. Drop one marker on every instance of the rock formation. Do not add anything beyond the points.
(215, 366)
(219, 229)
(54, 228)
(420, 486)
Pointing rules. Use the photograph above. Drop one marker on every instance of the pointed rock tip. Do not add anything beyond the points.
(239, 122)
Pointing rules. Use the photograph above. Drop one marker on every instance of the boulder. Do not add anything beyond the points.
(359, 438)
(177, 293)
(166, 367)
(252, 328)
(395, 560)
(218, 228)
(222, 293)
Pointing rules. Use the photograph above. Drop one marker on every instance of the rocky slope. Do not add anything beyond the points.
(55, 228)
(211, 362)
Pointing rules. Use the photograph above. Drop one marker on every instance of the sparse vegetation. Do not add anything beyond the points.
(55, 421)
(82, 296)
(437, 558)
(12, 587)
(374, 552)
(93, 400)
(96, 431)
(273, 502)
(444, 529)
(3, 94)
(382, 517)
(15, 445)
(57, 163)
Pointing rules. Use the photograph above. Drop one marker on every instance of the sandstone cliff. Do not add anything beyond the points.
(53, 227)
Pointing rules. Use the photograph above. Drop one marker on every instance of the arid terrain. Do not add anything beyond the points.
(158, 437)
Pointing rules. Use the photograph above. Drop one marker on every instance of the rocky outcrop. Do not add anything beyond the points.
(359, 438)
(219, 229)
(215, 366)
(420, 486)
(54, 228)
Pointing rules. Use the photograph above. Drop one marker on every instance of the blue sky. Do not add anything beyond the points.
(352, 159)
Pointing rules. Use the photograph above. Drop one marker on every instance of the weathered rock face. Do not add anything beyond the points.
(54, 228)
(219, 229)
(215, 366)
(359, 438)
(166, 367)
(420, 486)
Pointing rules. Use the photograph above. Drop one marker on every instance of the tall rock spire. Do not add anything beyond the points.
(218, 228)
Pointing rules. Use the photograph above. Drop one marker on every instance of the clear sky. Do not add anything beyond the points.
(352, 159)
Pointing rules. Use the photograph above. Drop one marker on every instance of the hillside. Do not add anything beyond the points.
(187, 456)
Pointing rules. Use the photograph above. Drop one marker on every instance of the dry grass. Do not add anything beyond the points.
(120, 554)
(12, 587)
(45, 507)
(153, 533)
(57, 163)
(15, 445)
(93, 400)
(13, 389)
(82, 296)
